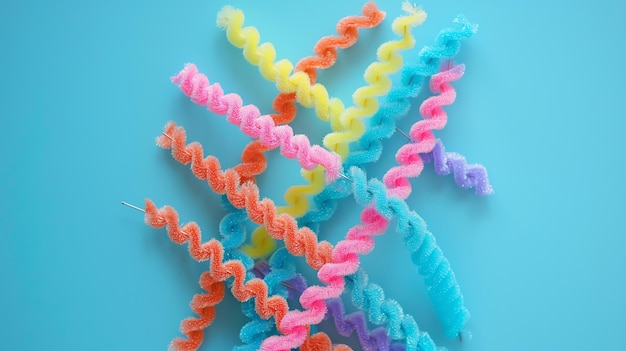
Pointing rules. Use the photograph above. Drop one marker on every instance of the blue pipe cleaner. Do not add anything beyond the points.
(234, 234)
(233, 231)
(371, 298)
(443, 289)
(278, 270)
(383, 123)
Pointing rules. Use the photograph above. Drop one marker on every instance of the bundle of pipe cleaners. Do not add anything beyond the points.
(259, 271)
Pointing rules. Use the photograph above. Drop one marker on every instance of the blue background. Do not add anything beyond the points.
(86, 90)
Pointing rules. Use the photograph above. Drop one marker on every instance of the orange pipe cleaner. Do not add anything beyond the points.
(321, 341)
(253, 159)
(298, 241)
(326, 48)
(204, 306)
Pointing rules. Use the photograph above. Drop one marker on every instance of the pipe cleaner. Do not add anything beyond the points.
(370, 298)
(321, 342)
(249, 119)
(347, 28)
(382, 125)
(439, 278)
(422, 137)
(204, 306)
(253, 160)
(233, 233)
(465, 175)
(377, 339)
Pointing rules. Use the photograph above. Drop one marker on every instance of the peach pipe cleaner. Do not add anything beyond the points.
(284, 104)
(321, 341)
(435, 117)
(347, 28)
(250, 121)
(204, 306)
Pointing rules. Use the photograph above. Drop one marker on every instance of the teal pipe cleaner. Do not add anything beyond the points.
(443, 289)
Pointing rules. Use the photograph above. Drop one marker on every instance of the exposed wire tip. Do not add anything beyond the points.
(133, 206)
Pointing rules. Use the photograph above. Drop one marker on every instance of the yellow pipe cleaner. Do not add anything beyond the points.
(347, 124)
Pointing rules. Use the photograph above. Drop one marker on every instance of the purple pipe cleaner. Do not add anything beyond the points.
(295, 286)
(466, 176)
(377, 339)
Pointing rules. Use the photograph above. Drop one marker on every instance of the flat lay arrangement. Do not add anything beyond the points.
(258, 270)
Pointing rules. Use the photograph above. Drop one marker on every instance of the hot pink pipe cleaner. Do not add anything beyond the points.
(422, 137)
(345, 261)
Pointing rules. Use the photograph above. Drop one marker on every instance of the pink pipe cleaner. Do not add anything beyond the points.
(345, 261)
(422, 137)
(196, 86)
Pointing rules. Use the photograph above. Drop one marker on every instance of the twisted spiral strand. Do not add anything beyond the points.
(321, 342)
(204, 306)
(370, 298)
(426, 255)
(422, 137)
(377, 339)
(347, 28)
(465, 175)
(196, 86)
